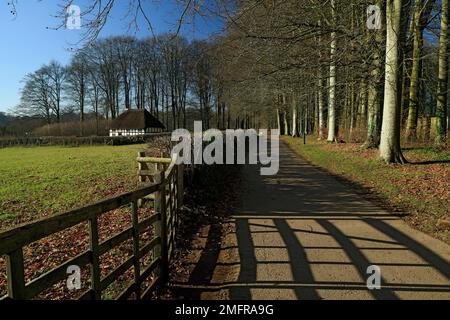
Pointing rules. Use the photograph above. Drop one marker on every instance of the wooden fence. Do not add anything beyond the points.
(166, 191)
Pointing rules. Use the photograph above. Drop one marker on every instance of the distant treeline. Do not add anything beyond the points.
(167, 75)
(35, 126)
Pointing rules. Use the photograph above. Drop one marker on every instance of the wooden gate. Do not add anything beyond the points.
(165, 190)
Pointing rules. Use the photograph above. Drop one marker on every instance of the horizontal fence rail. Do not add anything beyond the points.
(164, 187)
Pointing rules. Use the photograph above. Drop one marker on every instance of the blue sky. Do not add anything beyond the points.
(27, 43)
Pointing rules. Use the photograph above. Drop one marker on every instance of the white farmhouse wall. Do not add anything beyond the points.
(132, 132)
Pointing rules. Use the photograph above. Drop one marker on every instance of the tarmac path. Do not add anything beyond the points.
(302, 234)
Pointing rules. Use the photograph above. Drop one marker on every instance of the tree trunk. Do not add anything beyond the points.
(286, 123)
(390, 150)
(279, 122)
(320, 96)
(441, 106)
(332, 89)
(404, 105)
(374, 93)
(294, 117)
(427, 127)
(351, 107)
(411, 124)
(362, 105)
(321, 103)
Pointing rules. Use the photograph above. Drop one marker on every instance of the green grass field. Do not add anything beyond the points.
(39, 181)
(421, 188)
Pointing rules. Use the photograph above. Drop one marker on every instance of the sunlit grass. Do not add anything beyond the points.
(43, 180)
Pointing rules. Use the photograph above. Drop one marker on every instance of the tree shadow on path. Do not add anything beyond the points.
(304, 235)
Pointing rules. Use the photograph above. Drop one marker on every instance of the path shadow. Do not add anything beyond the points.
(302, 234)
(426, 254)
(203, 271)
(247, 258)
(430, 162)
(298, 258)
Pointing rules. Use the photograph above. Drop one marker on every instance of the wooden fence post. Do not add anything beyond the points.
(137, 267)
(160, 206)
(142, 166)
(180, 186)
(15, 274)
(95, 259)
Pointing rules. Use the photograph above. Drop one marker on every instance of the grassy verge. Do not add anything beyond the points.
(421, 189)
(40, 181)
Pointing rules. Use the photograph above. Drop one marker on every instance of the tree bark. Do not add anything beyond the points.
(294, 117)
(286, 123)
(279, 122)
(321, 103)
(390, 150)
(374, 93)
(332, 89)
(441, 106)
(411, 124)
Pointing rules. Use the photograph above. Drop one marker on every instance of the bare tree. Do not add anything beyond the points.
(36, 96)
(57, 75)
(77, 83)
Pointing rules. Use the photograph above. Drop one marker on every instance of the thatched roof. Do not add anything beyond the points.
(136, 119)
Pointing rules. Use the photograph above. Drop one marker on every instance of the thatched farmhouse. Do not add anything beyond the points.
(135, 122)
